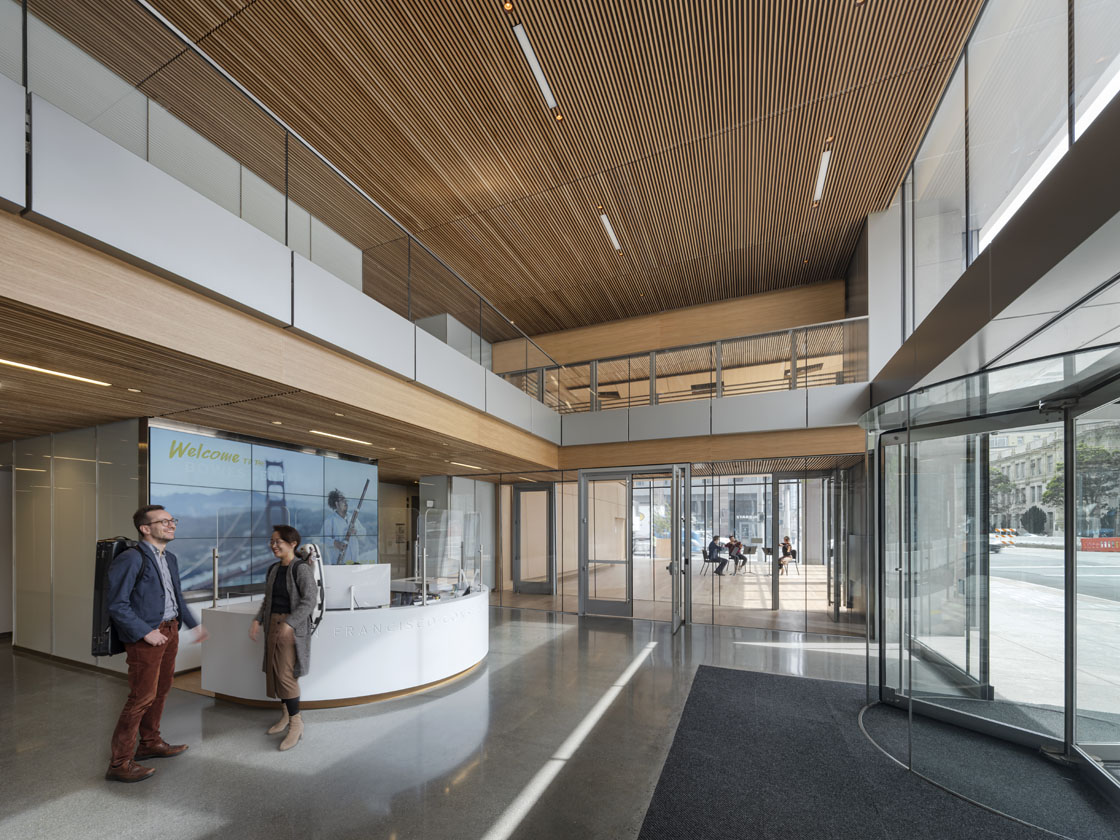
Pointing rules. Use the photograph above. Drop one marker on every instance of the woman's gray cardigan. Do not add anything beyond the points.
(302, 594)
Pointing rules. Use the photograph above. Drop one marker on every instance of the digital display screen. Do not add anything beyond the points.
(228, 495)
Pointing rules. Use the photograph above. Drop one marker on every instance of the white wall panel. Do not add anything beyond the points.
(335, 312)
(595, 427)
(74, 533)
(546, 423)
(335, 254)
(681, 419)
(32, 554)
(86, 182)
(837, 405)
(446, 370)
(508, 402)
(13, 180)
(884, 287)
(759, 412)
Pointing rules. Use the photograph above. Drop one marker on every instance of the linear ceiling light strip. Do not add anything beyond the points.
(54, 373)
(822, 174)
(610, 231)
(535, 66)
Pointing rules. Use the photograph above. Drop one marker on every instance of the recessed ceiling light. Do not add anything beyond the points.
(468, 466)
(559, 117)
(610, 232)
(134, 390)
(508, 7)
(277, 423)
(822, 173)
(392, 449)
(340, 437)
(34, 369)
(339, 414)
(535, 66)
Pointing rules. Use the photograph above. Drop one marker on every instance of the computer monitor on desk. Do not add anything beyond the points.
(357, 587)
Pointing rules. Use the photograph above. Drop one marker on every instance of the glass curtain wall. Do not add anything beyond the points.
(820, 585)
(1012, 92)
(997, 499)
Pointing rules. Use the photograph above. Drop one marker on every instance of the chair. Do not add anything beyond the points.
(792, 559)
(707, 560)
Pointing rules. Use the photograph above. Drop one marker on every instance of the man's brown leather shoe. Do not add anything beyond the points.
(131, 772)
(160, 749)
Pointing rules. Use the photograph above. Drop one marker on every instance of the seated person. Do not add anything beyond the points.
(713, 554)
(735, 551)
(786, 553)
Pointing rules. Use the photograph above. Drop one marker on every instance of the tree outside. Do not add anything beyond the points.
(1098, 478)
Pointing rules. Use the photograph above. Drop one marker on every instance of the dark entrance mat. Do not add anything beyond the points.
(765, 756)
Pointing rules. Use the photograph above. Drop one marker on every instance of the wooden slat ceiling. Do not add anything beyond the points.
(179, 387)
(698, 127)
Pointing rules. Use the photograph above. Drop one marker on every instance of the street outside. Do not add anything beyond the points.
(1098, 572)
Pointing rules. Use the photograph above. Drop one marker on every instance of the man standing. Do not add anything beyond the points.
(146, 605)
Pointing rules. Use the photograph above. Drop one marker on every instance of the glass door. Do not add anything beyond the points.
(1096, 500)
(606, 560)
(634, 542)
(534, 539)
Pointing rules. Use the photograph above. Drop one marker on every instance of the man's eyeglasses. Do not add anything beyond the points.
(171, 521)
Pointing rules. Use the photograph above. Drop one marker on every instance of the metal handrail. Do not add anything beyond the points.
(195, 48)
(558, 366)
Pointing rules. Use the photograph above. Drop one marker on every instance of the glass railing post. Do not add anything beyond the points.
(792, 359)
(718, 391)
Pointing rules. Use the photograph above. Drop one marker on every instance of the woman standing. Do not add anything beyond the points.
(289, 599)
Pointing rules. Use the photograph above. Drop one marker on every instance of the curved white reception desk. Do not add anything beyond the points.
(355, 654)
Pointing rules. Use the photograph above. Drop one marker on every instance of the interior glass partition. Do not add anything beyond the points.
(749, 507)
(999, 603)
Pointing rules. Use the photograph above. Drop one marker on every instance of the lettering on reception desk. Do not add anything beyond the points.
(365, 629)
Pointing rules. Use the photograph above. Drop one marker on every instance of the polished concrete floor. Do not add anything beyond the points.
(448, 763)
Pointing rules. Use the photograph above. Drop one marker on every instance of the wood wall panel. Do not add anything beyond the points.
(792, 443)
(68, 307)
(710, 322)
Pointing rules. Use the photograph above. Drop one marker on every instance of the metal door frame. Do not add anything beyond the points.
(535, 587)
(680, 476)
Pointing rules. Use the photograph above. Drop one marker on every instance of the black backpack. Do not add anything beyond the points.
(104, 640)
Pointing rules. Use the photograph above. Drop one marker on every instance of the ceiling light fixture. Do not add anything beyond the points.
(610, 231)
(134, 390)
(468, 466)
(277, 423)
(340, 437)
(34, 369)
(822, 173)
(535, 67)
(508, 7)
